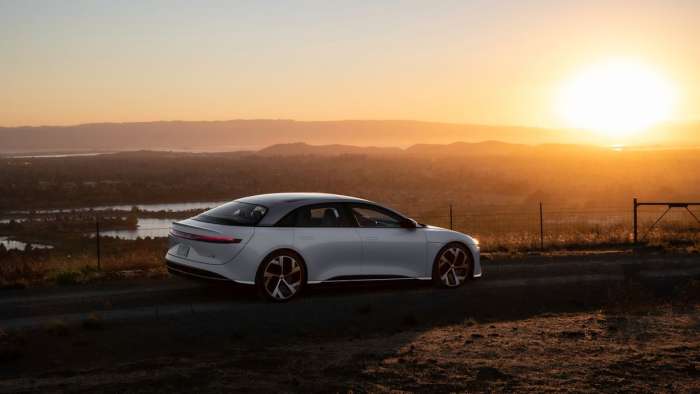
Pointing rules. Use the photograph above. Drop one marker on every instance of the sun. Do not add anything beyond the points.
(616, 98)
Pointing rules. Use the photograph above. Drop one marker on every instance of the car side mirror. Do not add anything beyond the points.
(408, 223)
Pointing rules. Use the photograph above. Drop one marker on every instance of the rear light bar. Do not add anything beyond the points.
(205, 238)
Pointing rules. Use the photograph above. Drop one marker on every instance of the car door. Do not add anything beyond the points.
(389, 249)
(326, 238)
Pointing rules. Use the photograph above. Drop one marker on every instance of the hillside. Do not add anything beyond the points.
(455, 149)
(301, 148)
(254, 134)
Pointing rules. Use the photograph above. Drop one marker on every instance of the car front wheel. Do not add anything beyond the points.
(453, 266)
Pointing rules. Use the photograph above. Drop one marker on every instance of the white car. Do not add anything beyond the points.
(282, 242)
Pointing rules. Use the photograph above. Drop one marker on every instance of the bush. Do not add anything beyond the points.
(67, 277)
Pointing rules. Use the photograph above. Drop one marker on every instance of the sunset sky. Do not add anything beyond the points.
(504, 62)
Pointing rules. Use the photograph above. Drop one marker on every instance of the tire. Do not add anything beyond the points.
(281, 276)
(453, 266)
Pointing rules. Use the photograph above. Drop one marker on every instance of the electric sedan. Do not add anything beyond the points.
(282, 242)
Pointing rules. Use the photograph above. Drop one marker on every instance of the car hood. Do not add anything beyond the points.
(443, 235)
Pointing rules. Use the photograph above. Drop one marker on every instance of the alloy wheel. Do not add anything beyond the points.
(282, 277)
(453, 266)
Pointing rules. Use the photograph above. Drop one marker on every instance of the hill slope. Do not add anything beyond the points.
(254, 134)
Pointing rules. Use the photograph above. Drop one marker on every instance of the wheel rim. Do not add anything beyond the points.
(282, 277)
(453, 267)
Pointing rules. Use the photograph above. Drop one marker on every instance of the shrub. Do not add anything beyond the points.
(66, 277)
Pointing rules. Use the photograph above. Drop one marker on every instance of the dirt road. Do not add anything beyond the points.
(174, 335)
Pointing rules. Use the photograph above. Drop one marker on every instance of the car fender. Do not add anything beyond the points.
(439, 237)
(245, 266)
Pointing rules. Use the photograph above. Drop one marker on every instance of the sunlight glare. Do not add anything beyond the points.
(616, 98)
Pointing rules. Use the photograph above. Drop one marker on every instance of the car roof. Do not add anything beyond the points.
(272, 199)
(280, 204)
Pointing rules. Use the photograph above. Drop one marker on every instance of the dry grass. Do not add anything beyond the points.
(587, 237)
(657, 350)
(517, 232)
(17, 269)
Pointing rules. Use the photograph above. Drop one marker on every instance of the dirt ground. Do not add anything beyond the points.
(652, 350)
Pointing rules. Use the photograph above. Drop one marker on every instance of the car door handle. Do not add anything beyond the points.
(372, 238)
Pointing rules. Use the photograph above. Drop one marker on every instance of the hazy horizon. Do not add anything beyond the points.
(688, 122)
(236, 135)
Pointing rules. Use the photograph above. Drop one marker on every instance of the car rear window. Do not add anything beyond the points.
(234, 214)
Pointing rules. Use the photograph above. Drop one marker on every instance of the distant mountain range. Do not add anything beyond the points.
(485, 148)
(254, 134)
(301, 148)
(237, 135)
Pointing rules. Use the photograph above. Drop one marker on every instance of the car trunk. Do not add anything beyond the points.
(208, 243)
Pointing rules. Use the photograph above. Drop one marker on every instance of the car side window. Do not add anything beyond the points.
(320, 216)
(367, 216)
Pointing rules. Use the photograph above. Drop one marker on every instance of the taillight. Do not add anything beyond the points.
(205, 238)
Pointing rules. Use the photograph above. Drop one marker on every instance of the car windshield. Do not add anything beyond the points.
(234, 213)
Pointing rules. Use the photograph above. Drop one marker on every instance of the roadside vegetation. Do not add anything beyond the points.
(75, 262)
(62, 266)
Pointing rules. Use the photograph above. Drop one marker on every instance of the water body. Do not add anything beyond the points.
(154, 228)
(204, 149)
(173, 207)
(17, 220)
(56, 155)
(19, 245)
(147, 227)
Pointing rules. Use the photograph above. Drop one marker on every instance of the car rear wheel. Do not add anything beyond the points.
(453, 266)
(281, 276)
